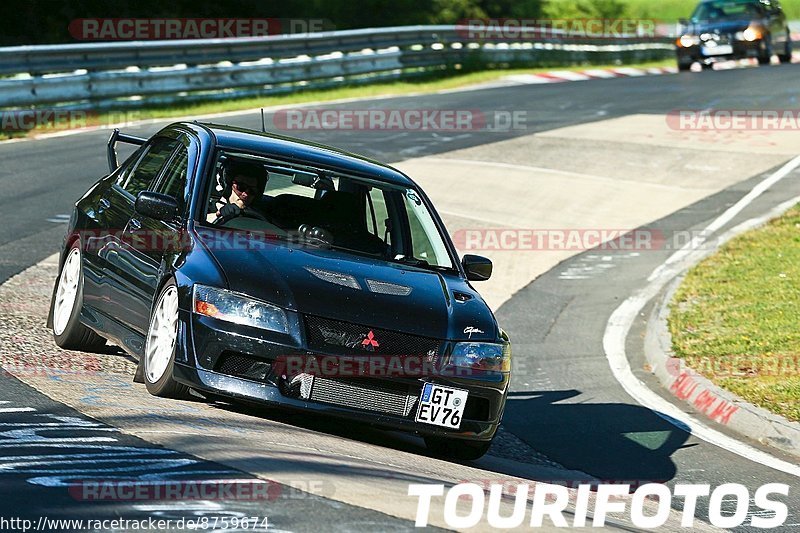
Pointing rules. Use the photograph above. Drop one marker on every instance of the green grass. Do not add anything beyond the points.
(425, 84)
(736, 317)
(672, 10)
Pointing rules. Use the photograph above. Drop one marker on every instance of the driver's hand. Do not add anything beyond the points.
(229, 211)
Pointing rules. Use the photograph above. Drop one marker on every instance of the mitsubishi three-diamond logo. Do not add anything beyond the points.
(370, 343)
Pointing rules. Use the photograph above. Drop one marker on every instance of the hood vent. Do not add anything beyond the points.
(337, 278)
(382, 287)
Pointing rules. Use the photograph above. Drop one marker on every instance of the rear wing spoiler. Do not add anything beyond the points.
(116, 137)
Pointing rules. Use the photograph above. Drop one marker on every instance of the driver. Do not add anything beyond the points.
(246, 182)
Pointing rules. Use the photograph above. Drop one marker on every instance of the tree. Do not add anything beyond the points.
(585, 9)
(453, 11)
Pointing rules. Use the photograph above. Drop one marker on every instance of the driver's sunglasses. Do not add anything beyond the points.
(249, 189)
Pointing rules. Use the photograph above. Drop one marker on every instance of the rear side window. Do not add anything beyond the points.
(144, 173)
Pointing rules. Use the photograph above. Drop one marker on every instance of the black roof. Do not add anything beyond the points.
(300, 151)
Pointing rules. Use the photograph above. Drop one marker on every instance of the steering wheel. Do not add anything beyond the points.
(247, 212)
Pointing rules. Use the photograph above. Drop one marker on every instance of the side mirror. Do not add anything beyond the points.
(477, 268)
(156, 205)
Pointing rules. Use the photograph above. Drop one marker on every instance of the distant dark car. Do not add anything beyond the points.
(734, 29)
(337, 291)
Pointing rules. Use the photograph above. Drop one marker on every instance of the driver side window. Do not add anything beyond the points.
(144, 173)
(174, 181)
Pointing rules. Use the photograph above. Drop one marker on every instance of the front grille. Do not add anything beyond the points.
(333, 336)
(242, 366)
(369, 396)
(717, 38)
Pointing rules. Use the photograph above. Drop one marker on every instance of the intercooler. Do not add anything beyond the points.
(359, 394)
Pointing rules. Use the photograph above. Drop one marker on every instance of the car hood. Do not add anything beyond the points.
(355, 289)
(722, 26)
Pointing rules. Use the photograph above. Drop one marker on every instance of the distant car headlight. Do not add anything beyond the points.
(482, 356)
(688, 40)
(231, 307)
(753, 33)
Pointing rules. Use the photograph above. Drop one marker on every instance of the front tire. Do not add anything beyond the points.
(463, 450)
(159, 350)
(68, 332)
(765, 57)
(786, 57)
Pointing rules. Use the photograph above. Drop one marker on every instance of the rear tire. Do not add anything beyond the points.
(68, 332)
(463, 450)
(684, 67)
(159, 349)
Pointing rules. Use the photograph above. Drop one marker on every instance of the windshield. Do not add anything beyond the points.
(728, 10)
(312, 207)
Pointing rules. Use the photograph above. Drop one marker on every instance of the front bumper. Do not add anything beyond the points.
(207, 346)
(741, 50)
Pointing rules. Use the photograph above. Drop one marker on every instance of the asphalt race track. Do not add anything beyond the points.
(567, 419)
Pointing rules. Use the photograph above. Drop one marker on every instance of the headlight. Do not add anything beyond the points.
(225, 305)
(688, 40)
(750, 34)
(482, 356)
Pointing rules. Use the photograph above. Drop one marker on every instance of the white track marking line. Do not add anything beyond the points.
(496, 223)
(727, 216)
(569, 75)
(532, 168)
(600, 73)
(621, 321)
(59, 219)
(16, 409)
(630, 72)
(527, 79)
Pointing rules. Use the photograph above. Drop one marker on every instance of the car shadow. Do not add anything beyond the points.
(326, 424)
(614, 442)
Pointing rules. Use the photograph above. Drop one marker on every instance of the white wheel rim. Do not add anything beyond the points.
(162, 335)
(67, 291)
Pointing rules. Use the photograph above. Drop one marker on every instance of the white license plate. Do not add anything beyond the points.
(441, 406)
(720, 50)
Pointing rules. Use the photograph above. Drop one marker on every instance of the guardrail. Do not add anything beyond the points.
(128, 74)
